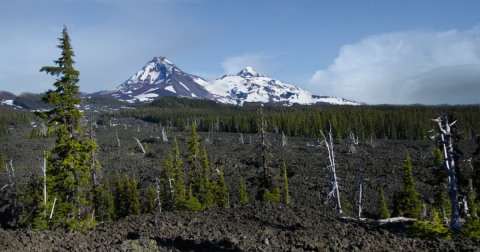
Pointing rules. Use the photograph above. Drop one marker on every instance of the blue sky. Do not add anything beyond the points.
(397, 52)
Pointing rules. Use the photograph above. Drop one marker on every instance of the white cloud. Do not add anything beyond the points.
(406, 67)
(259, 61)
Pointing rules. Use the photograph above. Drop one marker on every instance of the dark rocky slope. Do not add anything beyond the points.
(307, 224)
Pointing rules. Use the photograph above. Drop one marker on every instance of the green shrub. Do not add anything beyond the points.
(429, 230)
(471, 228)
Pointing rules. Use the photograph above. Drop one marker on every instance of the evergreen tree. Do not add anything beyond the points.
(472, 207)
(150, 204)
(133, 198)
(408, 203)
(441, 201)
(242, 193)
(179, 175)
(221, 192)
(286, 195)
(190, 204)
(109, 203)
(119, 197)
(383, 212)
(193, 143)
(68, 163)
(172, 169)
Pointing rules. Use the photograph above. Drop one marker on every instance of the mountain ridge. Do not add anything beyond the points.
(160, 77)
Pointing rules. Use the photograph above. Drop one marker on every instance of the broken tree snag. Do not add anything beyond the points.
(44, 169)
(12, 188)
(171, 194)
(446, 140)
(360, 177)
(143, 150)
(332, 176)
(391, 220)
(164, 135)
(118, 140)
(157, 184)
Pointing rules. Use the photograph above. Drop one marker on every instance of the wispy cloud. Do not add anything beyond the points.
(417, 66)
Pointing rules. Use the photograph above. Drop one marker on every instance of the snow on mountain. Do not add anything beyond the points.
(158, 78)
(249, 85)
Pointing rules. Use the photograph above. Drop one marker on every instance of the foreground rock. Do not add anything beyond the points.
(251, 227)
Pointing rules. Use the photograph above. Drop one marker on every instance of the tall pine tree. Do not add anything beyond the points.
(408, 203)
(69, 162)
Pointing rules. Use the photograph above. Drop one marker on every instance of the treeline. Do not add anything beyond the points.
(376, 122)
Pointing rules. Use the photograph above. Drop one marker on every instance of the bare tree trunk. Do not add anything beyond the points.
(171, 194)
(446, 135)
(12, 190)
(53, 207)
(360, 203)
(334, 193)
(159, 206)
(118, 140)
(143, 150)
(44, 169)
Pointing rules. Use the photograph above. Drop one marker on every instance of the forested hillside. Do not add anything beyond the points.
(10, 116)
(408, 122)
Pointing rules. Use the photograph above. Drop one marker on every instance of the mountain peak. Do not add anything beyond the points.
(250, 72)
(161, 59)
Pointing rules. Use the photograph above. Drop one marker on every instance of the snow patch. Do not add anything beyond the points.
(184, 86)
(171, 89)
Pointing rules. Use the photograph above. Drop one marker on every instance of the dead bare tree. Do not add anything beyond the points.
(164, 135)
(334, 190)
(143, 150)
(13, 185)
(44, 170)
(118, 140)
(157, 184)
(241, 138)
(284, 139)
(171, 194)
(360, 177)
(446, 136)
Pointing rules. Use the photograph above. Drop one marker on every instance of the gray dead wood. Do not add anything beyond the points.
(143, 150)
(332, 175)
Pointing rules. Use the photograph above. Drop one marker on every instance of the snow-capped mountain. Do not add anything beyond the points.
(249, 85)
(159, 78)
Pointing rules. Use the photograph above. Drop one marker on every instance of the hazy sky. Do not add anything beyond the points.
(374, 51)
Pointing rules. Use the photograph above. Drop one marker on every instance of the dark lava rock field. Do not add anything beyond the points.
(309, 223)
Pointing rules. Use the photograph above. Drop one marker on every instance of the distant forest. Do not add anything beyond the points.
(368, 121)
(32, 101)
(10, 116)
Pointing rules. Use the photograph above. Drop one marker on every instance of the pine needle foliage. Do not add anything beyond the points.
(109, 203)
(242, 193)
(221, 191)
(471, 228)
(286, 195)
(407, 202)
(441, 201)
(383, 211)
(68, 163)
(133, 197)
(150, 204)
